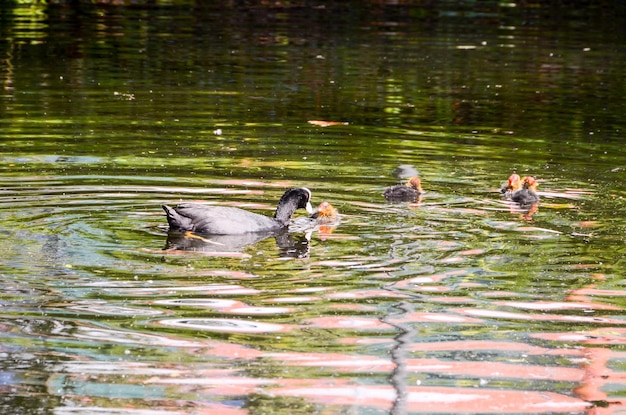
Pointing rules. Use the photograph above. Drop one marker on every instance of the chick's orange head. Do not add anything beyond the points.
(326, 210)
(514, 182)
(529, 182)
(415, 183)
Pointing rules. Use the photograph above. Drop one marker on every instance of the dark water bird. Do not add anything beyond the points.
(511, 186)
(527, 195)
(221, 220)
(409, 192)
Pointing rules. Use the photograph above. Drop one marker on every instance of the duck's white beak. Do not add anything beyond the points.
(309, 208)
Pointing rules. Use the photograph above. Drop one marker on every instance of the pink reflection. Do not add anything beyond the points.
(293, 299)
(436, 317)
(556, 305)
(495, 370)
(538, 317)
(365, 294)
(453, 300)
(429, 279)
(224, 306)
(598, 292)
(348, 323)
(343, 362)
(453, 260)
(437, 399)
(215, 381)
(491, 346)
(473, 252)
(237, 275)
(353, 307)
(600, 377)
(601, 336)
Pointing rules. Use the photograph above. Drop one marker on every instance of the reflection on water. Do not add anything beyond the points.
(290, 245)
(458, 302)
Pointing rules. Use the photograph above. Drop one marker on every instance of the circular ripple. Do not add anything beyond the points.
(224, 325)
(113, 310)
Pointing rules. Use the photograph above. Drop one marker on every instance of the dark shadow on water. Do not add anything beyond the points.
(292, 245)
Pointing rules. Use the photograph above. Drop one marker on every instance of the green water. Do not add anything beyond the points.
(462, 303)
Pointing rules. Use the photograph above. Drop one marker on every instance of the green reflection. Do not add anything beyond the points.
(108, 112)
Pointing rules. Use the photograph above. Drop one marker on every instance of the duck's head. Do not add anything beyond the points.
(293, 199)
(415, 183)
(530, 183)
(515, 183)
(325, 211)
(303, 196)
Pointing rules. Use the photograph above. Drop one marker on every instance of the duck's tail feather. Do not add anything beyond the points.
(176, 221)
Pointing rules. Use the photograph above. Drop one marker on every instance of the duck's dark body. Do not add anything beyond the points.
(401, 193)
(409, 192)
(221, 220)
(218, 220)
(525, 197)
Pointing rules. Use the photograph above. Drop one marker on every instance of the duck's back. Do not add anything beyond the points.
(400, 193)
(525, 197)
(217, 220)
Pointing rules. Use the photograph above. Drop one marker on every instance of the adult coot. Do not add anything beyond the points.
(408, 192)
(220, 220)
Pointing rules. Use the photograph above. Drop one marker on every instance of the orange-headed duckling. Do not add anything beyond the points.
(408, 192)
(325, 213)
(222, 220)
(527, 195)
(513, 185)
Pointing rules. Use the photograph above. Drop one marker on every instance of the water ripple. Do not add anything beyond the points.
(223, 325)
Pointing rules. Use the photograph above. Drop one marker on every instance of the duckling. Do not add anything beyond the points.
(408, 192)
(513, 185)
(527, 195)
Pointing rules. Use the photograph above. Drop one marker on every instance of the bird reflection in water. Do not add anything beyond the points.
(291, 245)
(525, 212)
(532, 209)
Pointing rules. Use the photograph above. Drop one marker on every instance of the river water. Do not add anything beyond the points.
(460, 303)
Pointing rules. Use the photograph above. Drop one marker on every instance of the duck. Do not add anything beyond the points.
(222, 220)
(325, 213)
(513, 185)
(527, 195)
(408, 192)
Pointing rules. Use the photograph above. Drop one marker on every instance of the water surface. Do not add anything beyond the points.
(461, 303)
